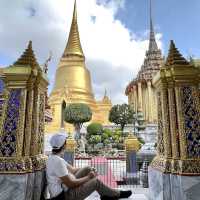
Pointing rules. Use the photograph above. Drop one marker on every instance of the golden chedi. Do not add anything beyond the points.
(73, 84)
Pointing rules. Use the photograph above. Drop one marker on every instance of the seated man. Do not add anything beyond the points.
(68, 183)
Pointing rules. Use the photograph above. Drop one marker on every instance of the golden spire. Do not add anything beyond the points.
(28, 57)
(74, 45)
(174, 57)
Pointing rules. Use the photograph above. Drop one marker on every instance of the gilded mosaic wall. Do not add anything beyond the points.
(190, 101)
(10, 126)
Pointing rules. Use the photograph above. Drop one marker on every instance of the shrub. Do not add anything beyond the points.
(141, 140)
(95, 129)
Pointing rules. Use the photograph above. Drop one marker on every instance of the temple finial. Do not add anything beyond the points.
(28, 57)
(75, 12)
(105, 93)
(152, 41)
(74, 47)
(45, 67)
(174, 56)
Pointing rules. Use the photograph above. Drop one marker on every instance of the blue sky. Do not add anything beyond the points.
(175, 19)
(114, 35)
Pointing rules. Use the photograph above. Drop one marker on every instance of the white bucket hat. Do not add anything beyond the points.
(57, 141)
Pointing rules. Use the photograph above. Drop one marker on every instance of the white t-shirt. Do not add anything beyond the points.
(56, 167)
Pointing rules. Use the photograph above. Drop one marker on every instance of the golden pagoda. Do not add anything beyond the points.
(73, 84)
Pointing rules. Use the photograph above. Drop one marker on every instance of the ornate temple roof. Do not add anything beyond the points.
(174, 56)
(152, 62)
(28, 57)
(74, 47)
(153, 55)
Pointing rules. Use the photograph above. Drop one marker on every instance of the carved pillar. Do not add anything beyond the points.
(150, 113)
(165, 120)
(35, 121)
(28, 120)
(136, 99)
(140, 102)
(173, 122)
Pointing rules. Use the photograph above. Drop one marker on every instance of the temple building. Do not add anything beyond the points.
(140, 91)
(73, 84)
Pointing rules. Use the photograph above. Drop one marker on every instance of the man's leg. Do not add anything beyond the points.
(83, 191)
(83, 172)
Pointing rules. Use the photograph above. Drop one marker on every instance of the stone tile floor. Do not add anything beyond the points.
(138, 194)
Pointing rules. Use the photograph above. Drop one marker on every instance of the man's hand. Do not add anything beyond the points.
(92, 174)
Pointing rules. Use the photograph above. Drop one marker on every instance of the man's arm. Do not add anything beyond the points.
(71, 182)
(72, 169)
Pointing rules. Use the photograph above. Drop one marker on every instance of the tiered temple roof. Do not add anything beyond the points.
(174, 56)
(28, 57)
(152, 61)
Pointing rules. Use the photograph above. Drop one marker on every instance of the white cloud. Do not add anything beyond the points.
(113, 56)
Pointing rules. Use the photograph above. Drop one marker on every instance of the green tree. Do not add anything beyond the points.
(121, 115)
(94, 129)
(77, 114)
(141, 140)
(107, 133)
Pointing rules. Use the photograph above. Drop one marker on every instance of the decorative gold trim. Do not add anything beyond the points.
(173, 123)
(6, 94)
(166, 125)
(22, 165)
(29, 111)
(20, 124)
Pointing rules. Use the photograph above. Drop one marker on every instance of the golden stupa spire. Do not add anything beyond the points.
(73, 47)
(174, 57)
(28, 57)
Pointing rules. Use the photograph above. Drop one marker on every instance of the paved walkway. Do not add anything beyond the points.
(138, 194)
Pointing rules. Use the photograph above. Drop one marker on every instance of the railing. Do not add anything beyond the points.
(113, 171)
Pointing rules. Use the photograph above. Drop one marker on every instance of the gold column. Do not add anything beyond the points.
(28, 120)
(150, 114)
(135, 99)
(165, 120)
(155, 103)
(173, 122)
(35, 122)
(140, 102)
